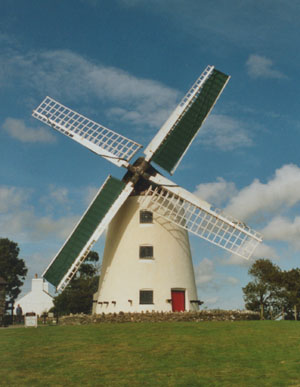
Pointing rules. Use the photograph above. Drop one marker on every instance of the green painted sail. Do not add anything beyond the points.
(100, 206)
(179, 138)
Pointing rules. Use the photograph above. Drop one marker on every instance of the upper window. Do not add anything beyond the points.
(146, 296)
(146, 216)
(146, 252)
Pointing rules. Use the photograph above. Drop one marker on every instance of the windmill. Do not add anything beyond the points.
(147, 261)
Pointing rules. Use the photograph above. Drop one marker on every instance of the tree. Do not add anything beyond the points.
(77, 297)
(291, 285)
(12, 268)
(89, 267)
(264, 294)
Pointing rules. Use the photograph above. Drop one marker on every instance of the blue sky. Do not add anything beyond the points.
(126, 64)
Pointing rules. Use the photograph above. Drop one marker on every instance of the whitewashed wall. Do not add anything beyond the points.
(37, 300)
(124, 274)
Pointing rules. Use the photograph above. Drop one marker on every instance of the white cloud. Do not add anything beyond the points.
(17, 129)
(59, 194)
(262, 67)
(65, 75)
(56, 200)
(235, 260)
(282, 191)
(261, 251)
(248, 24)
(45, 227)
(204, 272)
(271, 204)
(51, 218)
(11, 198)
(90, 194)
(20, 221)
(39, 229)
(283, 229)
(24, 225)
(225, 133)
(70, 78)
(217, 192)
(208, 278)
(211, 301)
(232, 280)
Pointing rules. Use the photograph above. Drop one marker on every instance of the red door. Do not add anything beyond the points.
(178, 300)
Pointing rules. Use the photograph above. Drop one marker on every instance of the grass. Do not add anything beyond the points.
(253, 353)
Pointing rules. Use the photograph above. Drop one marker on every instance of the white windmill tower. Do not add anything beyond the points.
(147, 261)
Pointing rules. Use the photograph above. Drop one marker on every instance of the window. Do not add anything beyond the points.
(146, 297)
(146, 252)
(146, 216)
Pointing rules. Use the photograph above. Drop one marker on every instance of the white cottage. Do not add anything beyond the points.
(38, 300)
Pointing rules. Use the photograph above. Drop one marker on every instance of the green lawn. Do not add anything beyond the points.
(253, 353)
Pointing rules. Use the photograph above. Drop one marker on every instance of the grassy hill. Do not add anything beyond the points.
(246, 353)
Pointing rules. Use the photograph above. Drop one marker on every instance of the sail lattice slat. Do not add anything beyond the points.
(214, 226)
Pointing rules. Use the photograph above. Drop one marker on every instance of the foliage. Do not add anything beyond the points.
(89, 267)
(291, 295)
(12, 268)
(264, 293)
(77, 297)
(272, 290)
(247, 353)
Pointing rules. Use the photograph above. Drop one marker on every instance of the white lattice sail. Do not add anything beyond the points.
(212, 225)
(99, 139)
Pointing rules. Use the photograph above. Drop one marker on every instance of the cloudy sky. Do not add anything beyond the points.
(126, 64)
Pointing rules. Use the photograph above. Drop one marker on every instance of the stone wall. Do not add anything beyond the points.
(204, 315)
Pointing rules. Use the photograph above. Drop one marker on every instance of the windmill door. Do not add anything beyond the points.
(178, 300)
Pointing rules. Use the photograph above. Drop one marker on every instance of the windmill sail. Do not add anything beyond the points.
(106, 203)
(103, 141)
(200, 218)
(173, 139)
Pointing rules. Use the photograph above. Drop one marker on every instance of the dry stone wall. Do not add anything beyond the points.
(205, 315)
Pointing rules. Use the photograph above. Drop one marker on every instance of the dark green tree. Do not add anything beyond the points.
(12, 268)
(264, 293)
(291, 293)
(77, 297)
